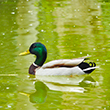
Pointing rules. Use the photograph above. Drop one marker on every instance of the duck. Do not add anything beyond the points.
(75, 66)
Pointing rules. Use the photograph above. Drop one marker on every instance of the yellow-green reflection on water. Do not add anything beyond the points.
(69, 29)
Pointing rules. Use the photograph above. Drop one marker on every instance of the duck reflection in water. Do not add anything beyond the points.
(40, 95)
(42, 89)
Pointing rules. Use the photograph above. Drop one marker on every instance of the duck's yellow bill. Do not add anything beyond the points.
(24, 94)
(25, 53)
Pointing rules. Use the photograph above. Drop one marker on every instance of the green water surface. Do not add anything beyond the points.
(69, 29)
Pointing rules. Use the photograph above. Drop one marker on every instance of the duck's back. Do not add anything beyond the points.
(63, 63)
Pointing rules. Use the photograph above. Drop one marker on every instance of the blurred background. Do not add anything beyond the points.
(69, 29)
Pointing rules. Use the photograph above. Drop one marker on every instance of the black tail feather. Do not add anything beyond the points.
(86, 58)
(85, 65)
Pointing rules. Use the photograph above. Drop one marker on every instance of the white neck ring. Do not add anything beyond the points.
(35, 64)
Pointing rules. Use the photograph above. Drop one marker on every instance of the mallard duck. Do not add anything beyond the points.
(70, 67)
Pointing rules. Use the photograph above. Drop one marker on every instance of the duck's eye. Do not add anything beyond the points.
(34, 46)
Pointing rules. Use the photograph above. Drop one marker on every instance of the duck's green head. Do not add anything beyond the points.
(39, 50)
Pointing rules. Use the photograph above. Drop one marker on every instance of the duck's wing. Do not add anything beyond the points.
(64, 62)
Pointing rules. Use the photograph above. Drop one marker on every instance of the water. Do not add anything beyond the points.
(69, 29)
